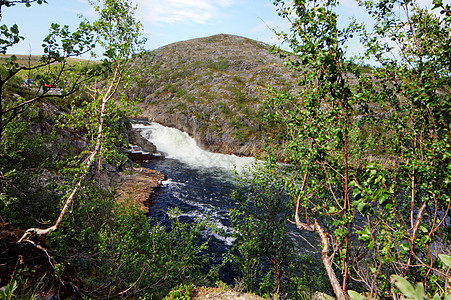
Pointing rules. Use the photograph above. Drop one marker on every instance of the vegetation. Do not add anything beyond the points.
(373, 218)
(80, 242)
(264, 254)
(366, 155)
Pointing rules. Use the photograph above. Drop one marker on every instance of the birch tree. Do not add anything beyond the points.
(369, 148)
(119, 34)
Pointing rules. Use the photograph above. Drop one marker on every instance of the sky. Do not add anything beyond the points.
(164, 21)
(167, 21)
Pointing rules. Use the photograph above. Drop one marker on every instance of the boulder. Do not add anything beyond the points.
(137, 139)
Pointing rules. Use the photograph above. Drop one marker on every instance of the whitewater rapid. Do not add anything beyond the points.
(178, 145)
(200, 185)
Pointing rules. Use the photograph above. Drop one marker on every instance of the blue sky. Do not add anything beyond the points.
(167, 21)
(164, 21)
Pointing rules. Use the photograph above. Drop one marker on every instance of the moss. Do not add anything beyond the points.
(238, 94)
(224, 108)
(216, 127)
(181, 107)
(243, 133)
(181, 92)
(220, 65)
(190, 97)
(236, 122)
(182, 73)
(238, 78)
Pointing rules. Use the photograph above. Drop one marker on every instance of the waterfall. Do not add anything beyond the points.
(200, 184)
(178, 145)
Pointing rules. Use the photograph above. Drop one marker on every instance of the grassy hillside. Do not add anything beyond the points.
(211, 87)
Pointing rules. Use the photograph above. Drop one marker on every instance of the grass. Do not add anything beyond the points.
(25, 60)
(45, 74)
(220, 65)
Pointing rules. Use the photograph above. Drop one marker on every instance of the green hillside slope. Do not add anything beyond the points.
(211, 88)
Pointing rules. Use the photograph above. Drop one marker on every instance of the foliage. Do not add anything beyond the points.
(28, 196)
(119, 34)
(418, 123)
(407, 289)
(111, 247)
(181, 292)
(374, 215)
(101, 246)
(263, 252)
(8, 292)
(318, 132)
(50, 71)
(131, 256)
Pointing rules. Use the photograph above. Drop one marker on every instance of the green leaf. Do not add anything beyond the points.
(332, 210)
(405, 287)
(420, 291)
(355, 296)
(404, 247)
(437, 3)
(446, 259)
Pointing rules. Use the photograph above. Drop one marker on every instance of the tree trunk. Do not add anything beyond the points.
(327, 261)
(110, 91)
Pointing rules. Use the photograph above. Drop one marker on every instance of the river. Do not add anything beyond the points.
(199, 184)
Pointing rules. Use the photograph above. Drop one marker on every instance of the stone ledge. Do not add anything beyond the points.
(140, 187)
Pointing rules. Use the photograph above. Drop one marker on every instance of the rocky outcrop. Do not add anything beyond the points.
(204, 293)
(207, 138)
(212, 89)
(66, 142)
(139, 187)
(136, 138)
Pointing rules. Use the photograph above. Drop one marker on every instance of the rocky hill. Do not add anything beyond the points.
(211, 88)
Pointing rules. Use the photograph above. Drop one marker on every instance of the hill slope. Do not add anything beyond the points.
(211, 88)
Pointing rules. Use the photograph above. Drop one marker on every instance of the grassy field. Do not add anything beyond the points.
(35, 60)
(31, 60)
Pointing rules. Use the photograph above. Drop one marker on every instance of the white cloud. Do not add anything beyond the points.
(180, 11)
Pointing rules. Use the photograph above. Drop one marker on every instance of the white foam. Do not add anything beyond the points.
(176, 144)
(212, 217)
(228, 231)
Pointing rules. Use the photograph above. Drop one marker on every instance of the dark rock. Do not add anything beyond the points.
(136, 138)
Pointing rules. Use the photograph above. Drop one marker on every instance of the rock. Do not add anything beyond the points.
(211, 88)
(322, 296)
(222, 294)
(140, 187)
(137, 139)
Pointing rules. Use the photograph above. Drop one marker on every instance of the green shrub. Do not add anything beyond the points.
(181, 292)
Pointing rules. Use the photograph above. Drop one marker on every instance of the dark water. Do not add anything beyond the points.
(198, 193)
(200, 184)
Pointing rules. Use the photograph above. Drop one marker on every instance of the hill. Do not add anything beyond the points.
(211, 88)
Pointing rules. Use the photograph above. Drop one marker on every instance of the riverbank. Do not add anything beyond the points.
(140, 187)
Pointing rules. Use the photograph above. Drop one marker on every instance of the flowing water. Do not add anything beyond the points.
(199, 184)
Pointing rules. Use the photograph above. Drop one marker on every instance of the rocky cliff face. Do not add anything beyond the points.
(212, 89)
(139, 186)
